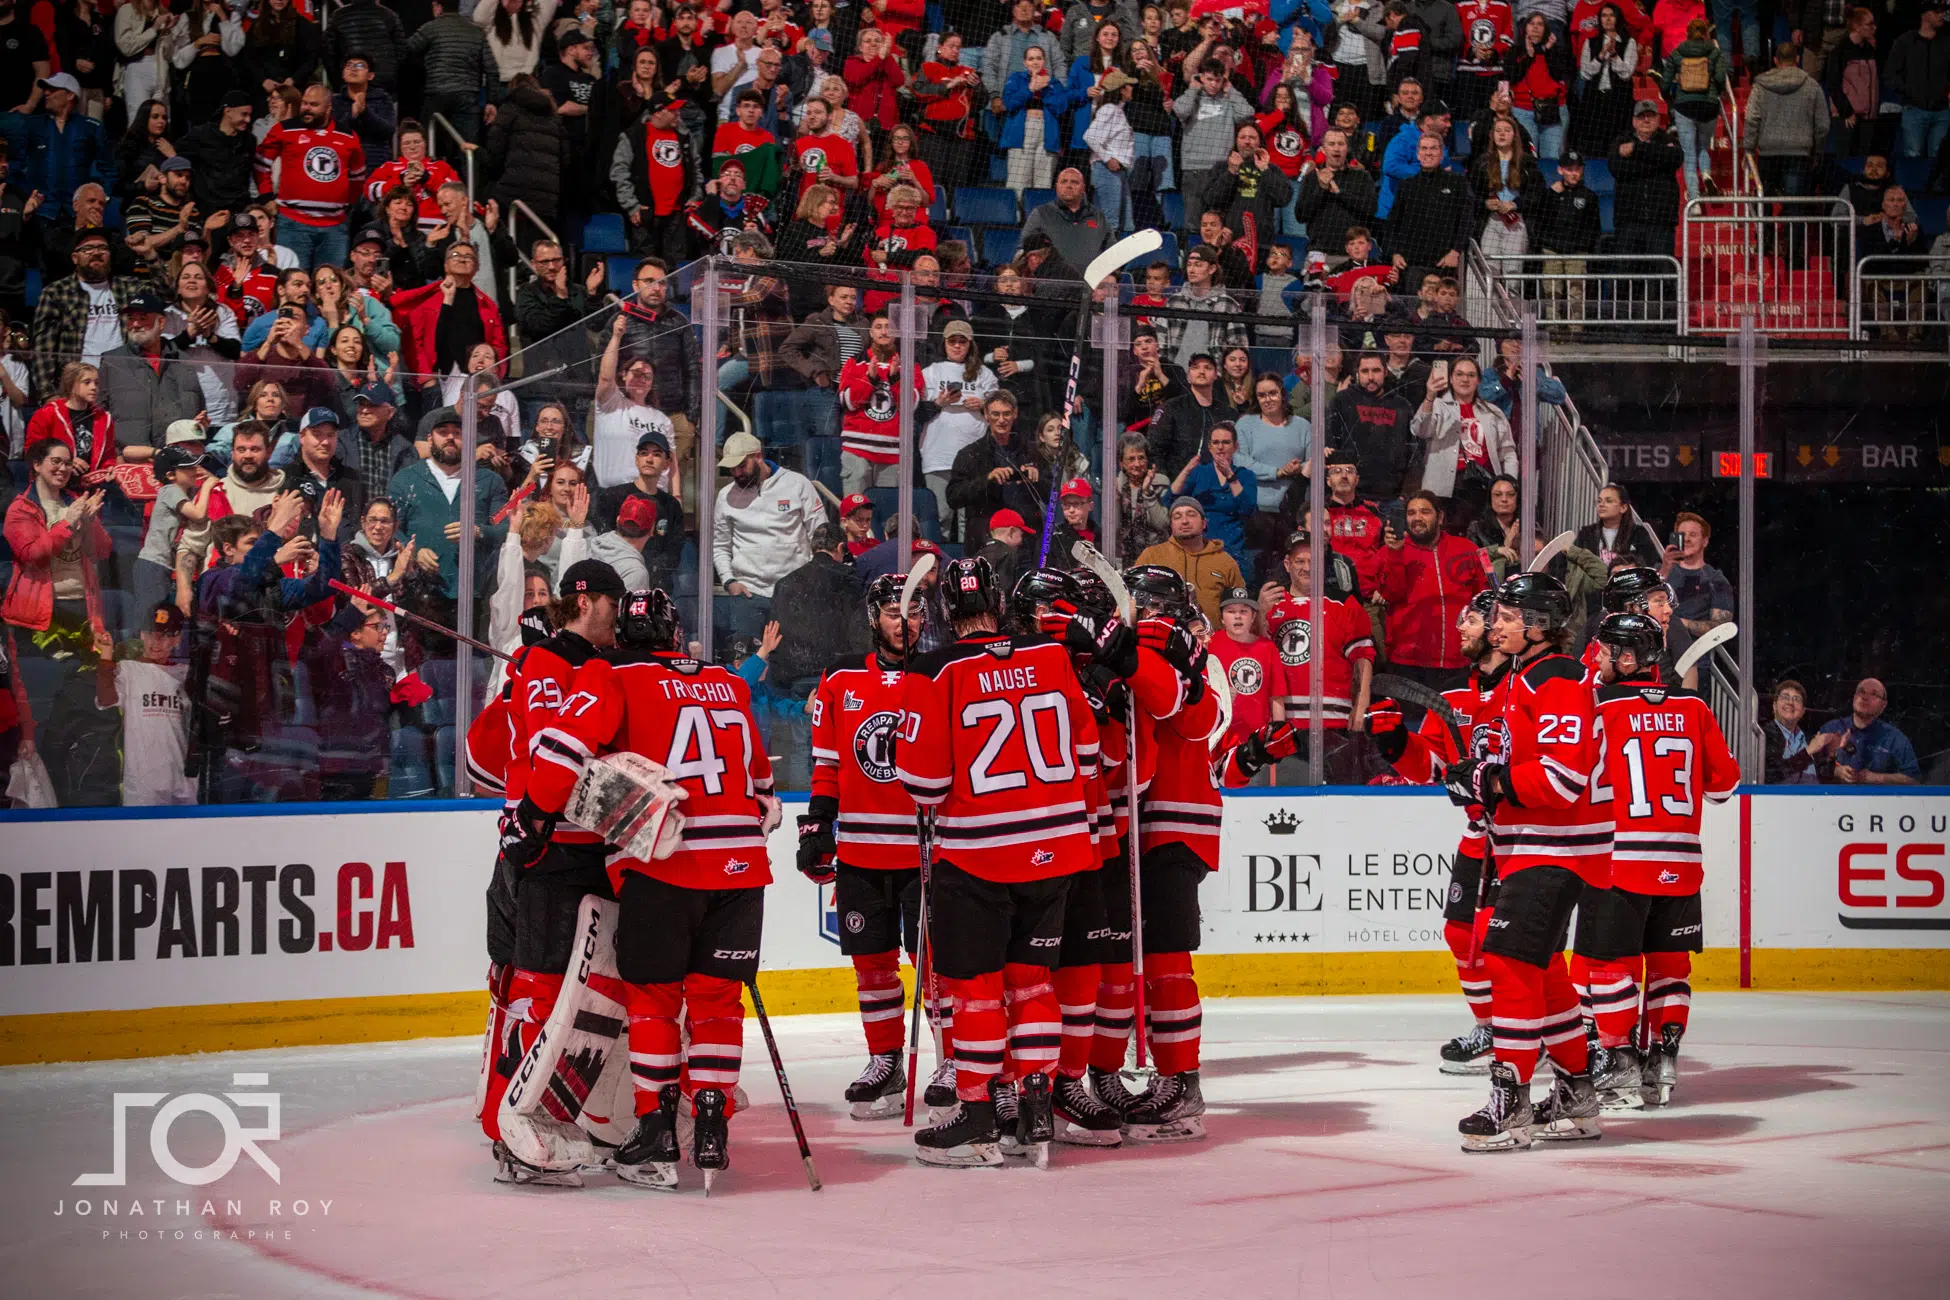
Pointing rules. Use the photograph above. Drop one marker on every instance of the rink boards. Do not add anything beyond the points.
(126, 933)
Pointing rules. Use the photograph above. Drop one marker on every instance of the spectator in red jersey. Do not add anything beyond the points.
(899, 165)
(414, 171)
(873, 76)
(947, 93)
(318, 169)
(1250, 661)
(1427, 578)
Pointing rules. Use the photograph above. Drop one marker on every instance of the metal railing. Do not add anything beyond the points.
(1746, 179)
(1598, 289)
(466, 147)
(1896, 298)
(1785, 262)
(1719, 681)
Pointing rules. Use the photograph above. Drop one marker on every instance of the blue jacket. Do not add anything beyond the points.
(1225, 513)
(1398, 163)
(238, 590)
(1015, 102)
(1495, 391)
(1878, 748)
(317, 334)
(1314, 15)
(57, 162)
(1077, 92)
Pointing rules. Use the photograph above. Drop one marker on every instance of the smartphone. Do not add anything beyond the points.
(1395, 515)
(287, 313)
(1675, 541)
(382, 266)
(951, 392)
(590, 261)
(1439, 370)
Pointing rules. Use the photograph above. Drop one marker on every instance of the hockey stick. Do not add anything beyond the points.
(924, 831)
(1423, 697)
(1220, 685)
(383, 603)
(1550, 550)
(1101, 268)
(1712, 639)
(785, 1088)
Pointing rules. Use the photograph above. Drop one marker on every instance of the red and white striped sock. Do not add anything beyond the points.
(882, 1000)
(1516, 1012)
(1473, 976)
(1035, 1024)
(1076, 999)
(656, 1046)
(981, 1033)
(1116, 1013)
(1562, 1030)
(1172, 1013)
(715, 1012)
(1668, 990)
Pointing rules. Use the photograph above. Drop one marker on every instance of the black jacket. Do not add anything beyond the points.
(453, 55)
(1647, 181)
(375, 127)
(1027, 338)
(820, 607)
(524, 151)
(1568, 222)
(1328, 213)
(220, 171)
(367, 28)
(1179, 431)
(971, 492)
(1375, 428)
(1434, 216)
(671, 346)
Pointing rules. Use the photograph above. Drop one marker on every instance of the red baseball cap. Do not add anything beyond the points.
(1006, 519)
(1077, 487)
(637, 518)
(858, 501)
(923, 546)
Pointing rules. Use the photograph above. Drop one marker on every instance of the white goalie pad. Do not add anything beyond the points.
(560, 1072)
(1220, 685)
(631, 802)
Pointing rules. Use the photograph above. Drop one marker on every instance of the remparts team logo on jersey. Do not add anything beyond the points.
(321, 164)
(1489, 739)
(1296, 641)
(1246, 676)
(873, 745)
(238, 1140)
(665, 153)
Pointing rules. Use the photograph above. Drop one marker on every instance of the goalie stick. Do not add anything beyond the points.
(1101, 268)
(1712, 639)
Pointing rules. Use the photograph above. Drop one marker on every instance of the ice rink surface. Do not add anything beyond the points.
(1807, 1154)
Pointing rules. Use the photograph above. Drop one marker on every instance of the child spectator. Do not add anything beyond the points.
(1250, 662)
(155, 710)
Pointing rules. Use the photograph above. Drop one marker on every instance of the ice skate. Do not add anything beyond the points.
(1504, 1122)
(1007, 1117)
(1108, 1085)
(968, 1139)
(508, 1168)
(1661, 1071)
(649, 1157)
(1035, 1120)
(1173, 1111)
(686, 1121)
(543, 1142)
(1570, 1113)
(710, 1135)
(602, 1157)
(1468, 1053)
(880, 1091)
(1616, 1074)
(1082, 1120)
(939, 1096)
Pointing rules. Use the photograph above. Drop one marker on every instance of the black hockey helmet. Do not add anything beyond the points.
(648, 620)
(1638, 633)
(1627, 590)
(969, 588)
(1483, 603)
(1092, 597)
(1154, 587)
(884, 593)
(1044, 586)
(1541, 599)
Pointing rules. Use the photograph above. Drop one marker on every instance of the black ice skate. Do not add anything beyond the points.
(1173, 1111)
(1468, 1053)
(1616, 1074)
(1504, 1122)
(711, 1135)
(1110, 1090)
(649, 1157)
(880, 1091)
(1035, 1119)
(1661, 1073)
(1008, 1116)
(967, 1139)
(1082, 1120)
(1570, 1113)
(939, 1097)
(508, 1168)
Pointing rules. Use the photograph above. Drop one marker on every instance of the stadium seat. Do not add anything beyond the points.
(967, 236)
(33, 292)
(1605, 202)
(1597, 176)
(999, 245)
(1931, 212)
(1913, 174)
(604, 234)
(998, 168)
(1033, 199)
(1173, 204)
(1297, 244)
(622, 270)
(1168, 251)
(938, 210)
(977, 205)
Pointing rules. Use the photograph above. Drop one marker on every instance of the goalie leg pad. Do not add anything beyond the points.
(550, 1086)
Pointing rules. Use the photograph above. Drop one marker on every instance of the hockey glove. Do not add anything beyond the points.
(817, 850)
(1105, 641)
(1385, 725)
(1476, 781)
(1266, 747)
(1179, 648)
(525, 832)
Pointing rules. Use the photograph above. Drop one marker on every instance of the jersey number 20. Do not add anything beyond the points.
(982, 778)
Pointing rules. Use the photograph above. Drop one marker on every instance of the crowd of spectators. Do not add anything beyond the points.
(255, 260)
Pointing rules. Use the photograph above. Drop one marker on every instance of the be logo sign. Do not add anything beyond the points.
(238, 1140)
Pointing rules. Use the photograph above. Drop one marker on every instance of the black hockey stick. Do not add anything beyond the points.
(1423, 697)
(785, 1088)
(924, 834)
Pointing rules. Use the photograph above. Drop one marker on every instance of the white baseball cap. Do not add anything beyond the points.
(62, 81)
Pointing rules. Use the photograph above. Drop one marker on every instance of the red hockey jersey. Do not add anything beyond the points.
(998, 739)
(1541, 724)
(1253, 671)
(1485, 24)
(1350, 637)
(1182, 805)
(856, 712)
(536, 688)
(695, 719)
(317, 172)
(1431, 747)
(392, 174)
(491, 749)
(1160, 694)
(871, 425)
(1660, 755)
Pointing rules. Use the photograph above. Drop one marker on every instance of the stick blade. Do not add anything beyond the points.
(923, 566)
(1713, 638)
(1093, 560)
(1550, 550)
(1121, 254)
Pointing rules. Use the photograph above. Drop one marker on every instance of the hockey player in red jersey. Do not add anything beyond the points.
(859, 834)
(1346, 662)
(1661, 757)
(1636, 589)
(1551, 847)
(687, 933)
(553, 865)
(998, 740)
(1423, 756)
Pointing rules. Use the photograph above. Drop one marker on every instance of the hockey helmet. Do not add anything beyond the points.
(1156, 588)
(648, 620)
(1638, 633)
(1483, 603)
(1092, 597)
(883, 594)
(1044, 586)
(969, 588)
(1540, 598)
(1627, 590)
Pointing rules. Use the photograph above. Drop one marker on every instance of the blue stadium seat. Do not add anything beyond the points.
(1173, 204)
(33, 294)
(1597, 176)
(998, 168)
(622, 270)
(604, 234)
(1912, 173)
(1298, 245)
(999, 245)
(1605, 201)
(1930, 212)
(1033, 199)
(1168, 251)
(967, 236)
(1547, 167)
(977, 205)
(1459, 140)
(938, 210)
(1853, 166)
(927, 515)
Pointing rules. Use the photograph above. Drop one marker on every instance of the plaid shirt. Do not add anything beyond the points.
(61, 326)
(760, 316)
(1204, 336)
